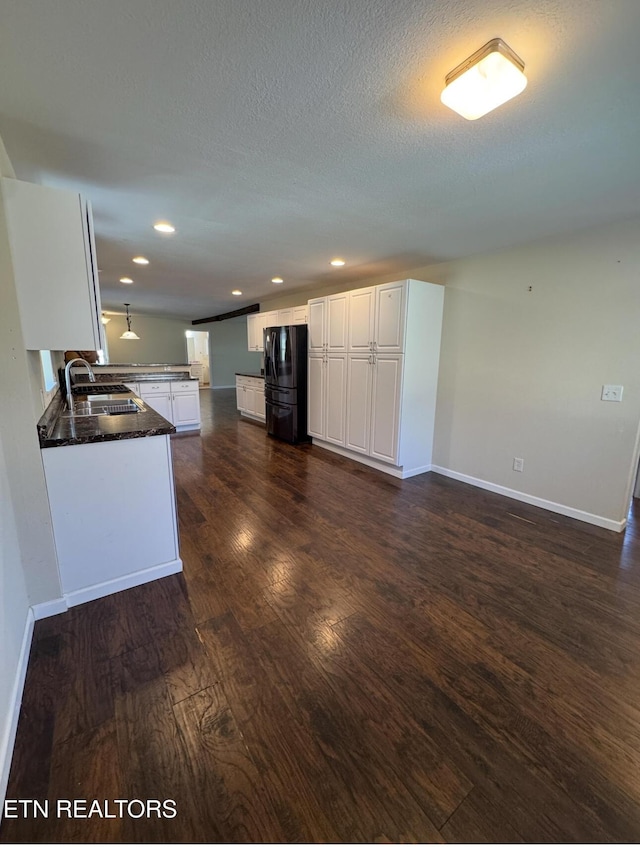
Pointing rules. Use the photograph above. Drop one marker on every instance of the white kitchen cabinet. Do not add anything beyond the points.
(299, 315)
(327, 381)
(391, 370)
(54, 262)
(177, 401)
(250, 397)
(258, 321)
(376, 318)
(328, 323)
(124, 535)
(386, 392)
(133, 386)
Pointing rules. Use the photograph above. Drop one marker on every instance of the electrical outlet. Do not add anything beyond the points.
(518, 464)
(612, 393)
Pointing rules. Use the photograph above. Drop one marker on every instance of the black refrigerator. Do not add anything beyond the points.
(285, 382)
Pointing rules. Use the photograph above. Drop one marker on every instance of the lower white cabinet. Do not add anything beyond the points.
(250, 397)
(327, 384)
(125, 533)
(178, 401)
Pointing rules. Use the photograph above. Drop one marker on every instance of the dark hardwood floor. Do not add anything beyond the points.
(347, 657)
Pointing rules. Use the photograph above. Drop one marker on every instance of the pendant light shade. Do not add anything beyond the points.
(104, 320)
(129, 335)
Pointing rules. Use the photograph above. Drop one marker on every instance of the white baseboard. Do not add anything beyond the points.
(251, 417)
(49, 609)
(393, 470)
(9, 731)
(130, 580)
(549, 505)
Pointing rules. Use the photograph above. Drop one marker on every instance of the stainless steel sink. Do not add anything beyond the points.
(93, 406)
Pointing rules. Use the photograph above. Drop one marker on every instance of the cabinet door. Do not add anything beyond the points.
(317, 312)
(239, 394)
(186, 408)
(385, 407)
(285, 317)
(300, 315)
(53, 255)
(358, 404)
(160, 402)
(254, 332)
(250, 399)
(337, 329)
(361, 319)
(390, 314)
(259, 399)
(133, 386)
(335, 413)
(316, 395)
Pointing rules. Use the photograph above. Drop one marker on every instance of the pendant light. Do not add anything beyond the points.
(129, 335)
(104, 320)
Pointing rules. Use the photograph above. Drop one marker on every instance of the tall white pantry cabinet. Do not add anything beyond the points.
(373, 373)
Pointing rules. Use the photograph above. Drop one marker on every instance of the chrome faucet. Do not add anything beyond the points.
(67, 378)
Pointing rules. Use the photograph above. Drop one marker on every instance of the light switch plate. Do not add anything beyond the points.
(612, 393)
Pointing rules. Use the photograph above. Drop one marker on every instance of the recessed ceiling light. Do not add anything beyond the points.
(338, 263)
(140, 260)
(164, 226)
(277, 280)
(236, 292)
(126, 280)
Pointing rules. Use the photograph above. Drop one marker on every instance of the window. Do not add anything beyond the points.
(49, 381)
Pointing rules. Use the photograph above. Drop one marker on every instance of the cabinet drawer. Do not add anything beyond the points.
(154, 388)
(187, 385)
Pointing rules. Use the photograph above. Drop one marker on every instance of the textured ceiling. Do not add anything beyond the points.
(277, 134)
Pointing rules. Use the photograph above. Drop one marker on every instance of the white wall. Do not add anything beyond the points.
(162, 340)
(521, 371)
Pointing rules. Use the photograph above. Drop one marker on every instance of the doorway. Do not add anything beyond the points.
(198, 354)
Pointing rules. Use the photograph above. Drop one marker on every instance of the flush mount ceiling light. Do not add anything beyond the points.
(129, 335)
(484, 81)
(236, 292)
(338, 263)
(164, 226)
(127, 280)
(104, 320)
(277, 280)
(140, 260)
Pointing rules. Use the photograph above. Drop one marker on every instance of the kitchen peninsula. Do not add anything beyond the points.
(170, 389)
(111, 494)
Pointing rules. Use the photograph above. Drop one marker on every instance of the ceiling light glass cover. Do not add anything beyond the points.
(127, 280)
(338, 263)
(129, 335)
(277, 280)
(140, 260)
(236, 292)
(484, 81)
(164, 226)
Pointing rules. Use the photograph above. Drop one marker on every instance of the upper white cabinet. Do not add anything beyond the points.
(377, 318)
(54, 261)
(258, 321)
(328, 323)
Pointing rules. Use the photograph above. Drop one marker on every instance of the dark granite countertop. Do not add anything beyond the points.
(247, 373)
(143, 365)
(57, 431)
(122, 376)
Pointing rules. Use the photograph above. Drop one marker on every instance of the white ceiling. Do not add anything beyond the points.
(277, 134)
